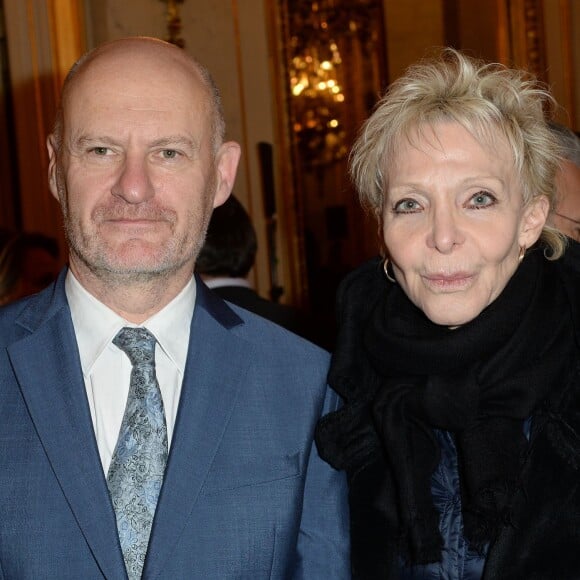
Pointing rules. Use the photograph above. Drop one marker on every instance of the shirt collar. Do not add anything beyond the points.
(220, 281)
(96, 324)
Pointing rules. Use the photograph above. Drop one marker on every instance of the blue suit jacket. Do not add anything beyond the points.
(245, 494)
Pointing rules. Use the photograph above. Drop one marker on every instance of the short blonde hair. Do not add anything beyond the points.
(487, 99)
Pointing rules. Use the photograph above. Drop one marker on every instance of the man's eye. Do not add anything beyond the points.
(406, 206)
(482, 199)
(170, 153)
(100, 150)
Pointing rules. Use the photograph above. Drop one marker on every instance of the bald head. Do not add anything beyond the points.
(142, 57)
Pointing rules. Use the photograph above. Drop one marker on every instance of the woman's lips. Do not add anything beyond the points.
(453, 282)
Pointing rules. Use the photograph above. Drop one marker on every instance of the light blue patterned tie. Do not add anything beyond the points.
(138, 463)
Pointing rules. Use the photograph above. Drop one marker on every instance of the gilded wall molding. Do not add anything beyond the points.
(527, 36)
(44, 38)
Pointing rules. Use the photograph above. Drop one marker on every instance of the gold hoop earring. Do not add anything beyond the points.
(522, 253)
(386, 270)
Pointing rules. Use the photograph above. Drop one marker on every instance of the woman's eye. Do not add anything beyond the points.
(406, 206)
(482, 199)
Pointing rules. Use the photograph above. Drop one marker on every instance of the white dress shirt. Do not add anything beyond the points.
(107, 369)
(221, 281)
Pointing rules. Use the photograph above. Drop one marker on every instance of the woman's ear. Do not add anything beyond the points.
(533, 220)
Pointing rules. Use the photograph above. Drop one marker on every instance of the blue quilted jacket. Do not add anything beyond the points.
(458, 561)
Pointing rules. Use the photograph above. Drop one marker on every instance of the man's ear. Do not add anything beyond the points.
(533, 220)
(52, 147)
(227, 160)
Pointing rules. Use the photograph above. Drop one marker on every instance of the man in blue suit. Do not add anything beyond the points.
(148, 429)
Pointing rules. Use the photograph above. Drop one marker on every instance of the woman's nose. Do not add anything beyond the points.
(445, 232)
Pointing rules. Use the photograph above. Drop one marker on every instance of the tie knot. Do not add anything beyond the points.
(138, 344)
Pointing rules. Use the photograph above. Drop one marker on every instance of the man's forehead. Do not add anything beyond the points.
(135, 63)
(141, 89)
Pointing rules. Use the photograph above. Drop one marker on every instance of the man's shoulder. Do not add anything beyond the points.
(11, 313)
(29, 313)
(270, 336)
(264, 334)
(280, 314)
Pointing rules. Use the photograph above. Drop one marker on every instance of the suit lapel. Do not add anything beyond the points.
(217, 362)
(47, 367)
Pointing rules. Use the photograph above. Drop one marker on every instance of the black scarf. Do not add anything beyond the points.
(402, 376)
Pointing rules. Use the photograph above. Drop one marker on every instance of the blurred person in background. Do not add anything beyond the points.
(226, 258)
(566, 214)
(28, 263)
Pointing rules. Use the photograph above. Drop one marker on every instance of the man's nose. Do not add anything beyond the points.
(133, 183)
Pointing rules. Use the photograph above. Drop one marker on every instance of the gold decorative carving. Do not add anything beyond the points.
(533, 20)
(527, 26)
(174, 25)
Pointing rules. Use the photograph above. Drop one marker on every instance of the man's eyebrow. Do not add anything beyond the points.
(170, 141)
(83, 140)
(173, 140)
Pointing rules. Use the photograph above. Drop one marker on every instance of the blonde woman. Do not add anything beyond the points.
(458, 352)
